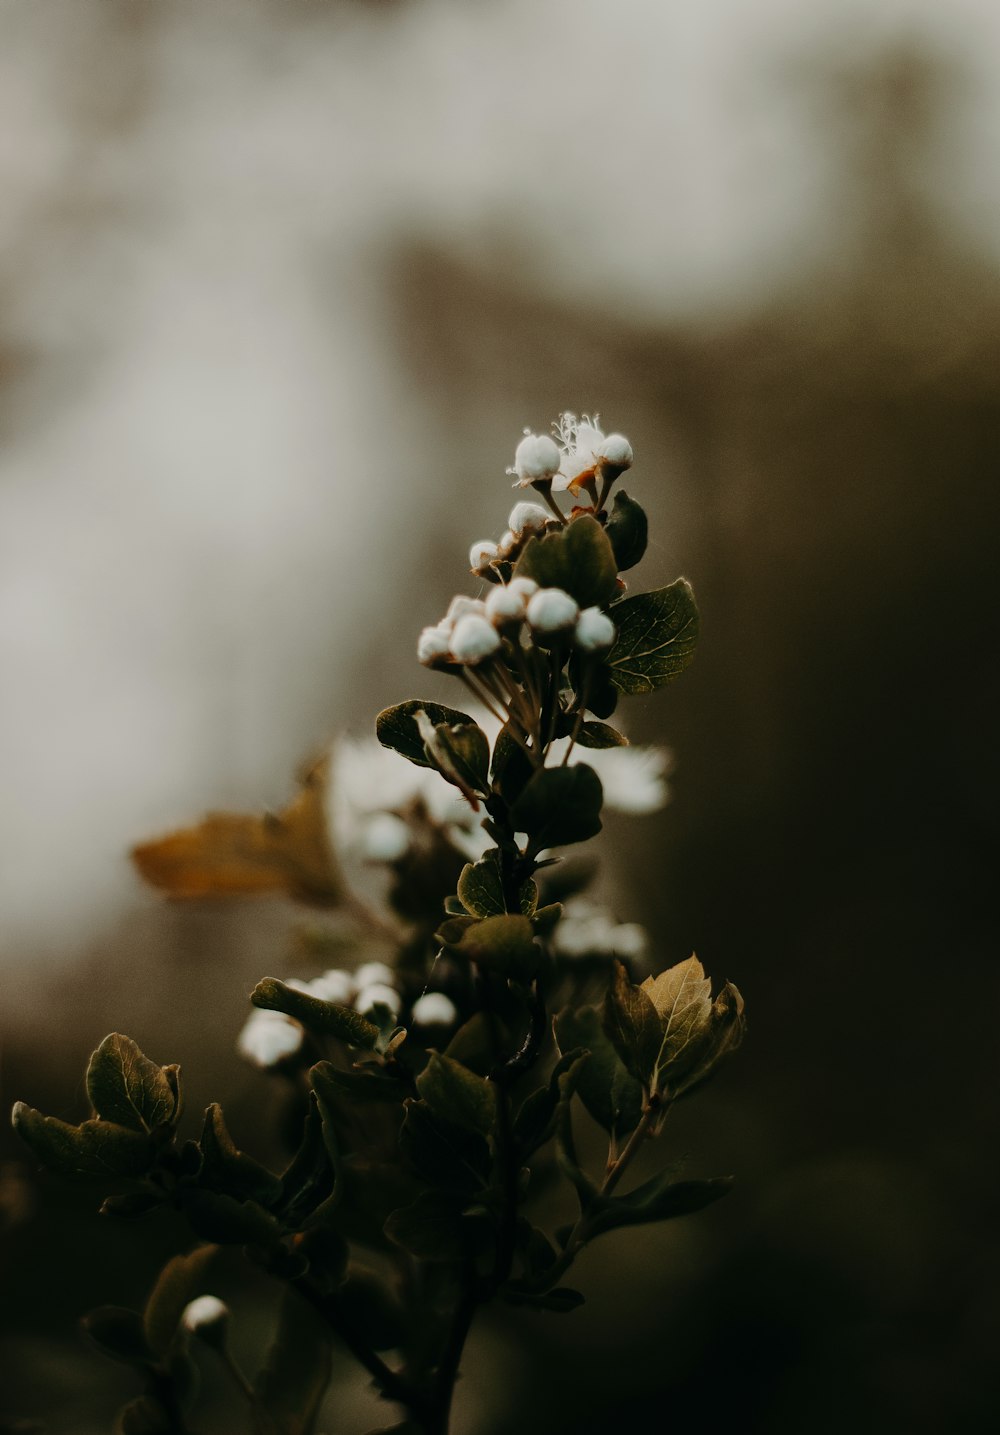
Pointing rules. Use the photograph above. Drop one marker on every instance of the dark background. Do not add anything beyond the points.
(820, 459)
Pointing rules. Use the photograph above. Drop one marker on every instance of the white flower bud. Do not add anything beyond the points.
(384, 838)
(371, 974)
(433, 645)
(527, 517)
(506, 605)
(474, 638)
(332, 986)
(482, 554)
(460, 607)
(616, 451)
(527, 586)
(434, 1009)
(536, 459)
(268, 1037)
(378, 994)
(207, 1317)
(594, 631)
(508, 543)
(551, 610)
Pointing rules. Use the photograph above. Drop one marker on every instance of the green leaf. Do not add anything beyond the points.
(480, 890)
(181, 1279)
(631, 1024)
(560, 805)
(511, 769)
(660, 1199)
(610, 1093)
(545, 919)
(230, 1171)
(397, 728)
(435, 1227)
(600, 735)
(226, 1221)
(95, 1148)
(337, 1086)
(628, 531)
(457, 1094)
(291, 1386)
(447, 1156)
(118, 1332)
(126, 1087)
(578, 558)
(533, 1121)
(501, 944)
(474, 1042)
(316, 1015)
(657, 633)
(461, 753)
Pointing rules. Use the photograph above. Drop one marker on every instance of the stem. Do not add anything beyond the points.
(581, 707)
(226, 1356)
(392, 1385)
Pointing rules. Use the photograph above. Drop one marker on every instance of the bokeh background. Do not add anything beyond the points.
(280, 283)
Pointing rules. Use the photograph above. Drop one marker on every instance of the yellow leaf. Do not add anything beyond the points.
(231, 854)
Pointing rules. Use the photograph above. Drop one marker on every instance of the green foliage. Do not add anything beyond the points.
(182, 1278)
(578, 558)
(505, 945)
(447, 1156)
(461, 753)
(657, 634)
(94, 1148)
(659, 1199)
(438, 1226)
(457, 1094)
(127, 1088)
(316, 1015)
(628, 531)
(229, 1171)
(632, 1025)
(397, 727)
(559, 805)
(600, 735)
(293, 1381)
(480, 890)
(610, 1093)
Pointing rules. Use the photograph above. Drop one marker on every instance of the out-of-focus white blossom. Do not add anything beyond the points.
(378, 995)
(333, 986)
(536, 459)
(482, 554)
(506, 605)
(371, 974)
(434, 1009)
(586, 930)
(268, 1037)
(206, 1315)
(526, 586)
(462, 607)
(384, 838)
(527, 517)
(551, 610)
(594, 631)
(474, 638)
(633, 778)
(433, 645)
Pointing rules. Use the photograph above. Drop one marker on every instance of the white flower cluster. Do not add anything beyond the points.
(579, 453)
(586, 930)
(269, 1037)
(473, 629)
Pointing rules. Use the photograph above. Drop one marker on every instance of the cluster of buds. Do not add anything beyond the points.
(473, 629)
(579, 456)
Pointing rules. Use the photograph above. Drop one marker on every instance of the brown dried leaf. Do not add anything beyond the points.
(230, 854)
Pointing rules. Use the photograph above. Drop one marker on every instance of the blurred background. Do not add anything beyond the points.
(280, 284)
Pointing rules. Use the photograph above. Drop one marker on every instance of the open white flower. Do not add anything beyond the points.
(587, 450)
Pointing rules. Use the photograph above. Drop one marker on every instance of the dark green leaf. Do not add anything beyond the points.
(372, 1309)
(632, 1025)
(628, 531)
(119, 1333)
(501, 944)
(461, 753)
(600, 735)
(512, 767)
(396, 727)
(610, 1093)
(436, 1228)
(445, 1155)
(657, 633)
(316, 1015)
(229, 1222)
(308, 1177)
(546, 919)
(480, 889)
(351, 1086)
(474, 1043)
(181, 1279)
(126, 1087)
(578, 558)
(559, 805)
(95, 1148)
(458, 1094)
(230, 1171)
(535, 1248)
(291, 1386)
(659, 1199)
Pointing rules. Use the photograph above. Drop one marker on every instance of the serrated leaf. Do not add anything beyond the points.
(682, 999)
(181, 1279)
(231, 854)
(611, 1095)
(316, 1015)
(724, 1034)
(632, 1025)
(94, 1148)
(397, 727)
(628, 531)
(559, 805)
(660, 1199)
(291, 1386)
(124, 1086)
(657, 634)
(447, 1156)
(458, 1094)
(600, 735)
(230, 1171)
(578, 558)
